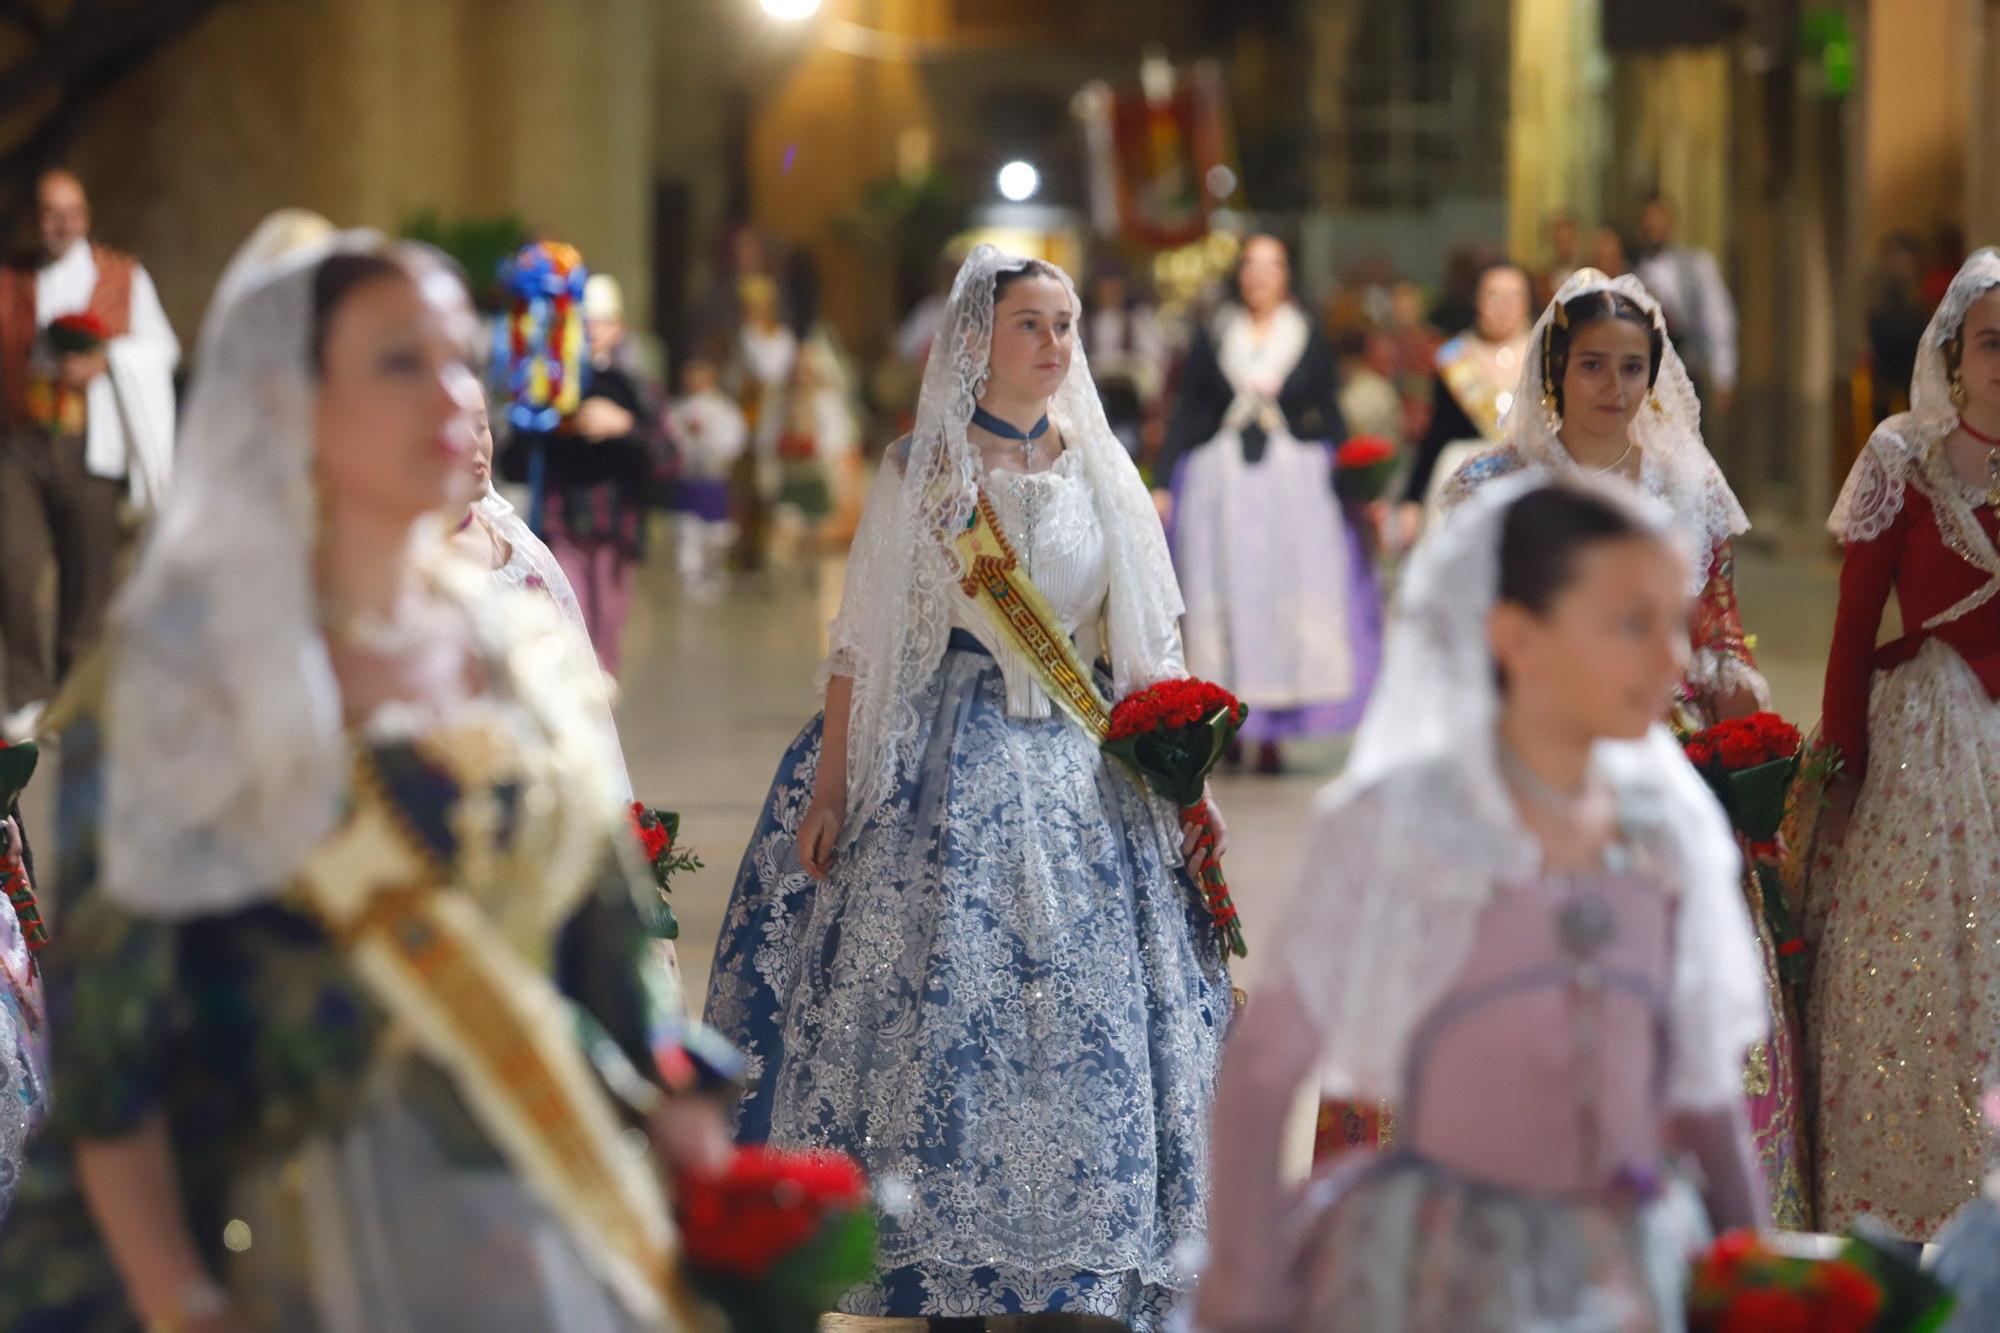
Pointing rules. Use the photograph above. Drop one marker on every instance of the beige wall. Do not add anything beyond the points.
(1556, 134)
(824, 130)
(1675, 134)
(1983, 139)
(371, 110)
(1917, 118)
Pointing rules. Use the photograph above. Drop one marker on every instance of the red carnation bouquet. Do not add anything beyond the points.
(73, 335)
(1363, 469)
(55, 406)
(659, 834)
(1744, 1284)
(1750, 763)
(776, 1238)
(1172, 735)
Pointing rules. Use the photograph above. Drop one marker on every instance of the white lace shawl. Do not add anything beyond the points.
(902, 574)
(1257, 370)
(1414, 838)
(1873, 495)
(1675, 465)
(225, 755)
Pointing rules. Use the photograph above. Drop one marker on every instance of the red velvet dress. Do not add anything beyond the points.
(1904, 918)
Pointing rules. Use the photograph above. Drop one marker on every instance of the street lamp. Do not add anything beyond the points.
(1019, 181)
(790, 11)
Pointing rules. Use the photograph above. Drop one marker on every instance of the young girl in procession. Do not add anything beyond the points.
(355, 1000)
(1603, 393)
(710, 433)
(1520, 923)
(959, 945)
(1901, 909)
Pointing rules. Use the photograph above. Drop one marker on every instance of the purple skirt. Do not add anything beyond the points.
(703, 498)
(1364, 636)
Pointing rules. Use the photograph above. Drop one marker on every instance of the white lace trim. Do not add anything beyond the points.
(1873, 495)
(1674, 462)
(1389, 906)
(902, 576)
(1712, 672)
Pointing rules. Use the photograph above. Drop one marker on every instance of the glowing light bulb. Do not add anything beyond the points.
(1019, 181)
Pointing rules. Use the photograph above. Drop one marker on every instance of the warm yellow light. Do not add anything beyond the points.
(790, 10)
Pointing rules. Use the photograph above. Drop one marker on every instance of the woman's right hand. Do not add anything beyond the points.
(820, 831)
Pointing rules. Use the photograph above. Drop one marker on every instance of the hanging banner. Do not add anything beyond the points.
(1159, 153)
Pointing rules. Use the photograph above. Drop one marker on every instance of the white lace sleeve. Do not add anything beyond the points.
(867, 559)
(1713, 673)
(1873, 495)
(1143, 612)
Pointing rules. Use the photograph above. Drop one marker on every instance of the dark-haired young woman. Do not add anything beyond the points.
(1905, 1002)
(1520, 924)
(356, 1021)
(1472, 388)
(958, 946)
(1604, 394)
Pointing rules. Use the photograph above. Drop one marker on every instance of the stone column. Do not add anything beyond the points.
(1556, 130)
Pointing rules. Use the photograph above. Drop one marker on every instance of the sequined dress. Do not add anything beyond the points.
(1904, 923)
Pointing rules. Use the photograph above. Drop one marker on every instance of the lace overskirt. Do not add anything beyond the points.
(1004, 1001)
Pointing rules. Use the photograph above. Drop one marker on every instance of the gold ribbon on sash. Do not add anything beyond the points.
(1473, 389)
(431, 957)
(999, 587)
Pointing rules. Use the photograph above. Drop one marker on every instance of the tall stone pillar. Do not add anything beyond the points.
(1557, 128)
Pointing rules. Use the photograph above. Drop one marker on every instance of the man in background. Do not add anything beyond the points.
(86, 425)
(1701, 314)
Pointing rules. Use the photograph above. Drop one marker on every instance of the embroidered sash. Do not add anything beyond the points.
(993, 578)
(1476, 395)
(444, 973)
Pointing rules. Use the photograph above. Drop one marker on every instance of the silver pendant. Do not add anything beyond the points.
(1586, 925)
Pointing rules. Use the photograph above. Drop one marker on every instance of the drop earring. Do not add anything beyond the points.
(1957, 390)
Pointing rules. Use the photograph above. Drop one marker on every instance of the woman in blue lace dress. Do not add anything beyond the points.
(960, 945)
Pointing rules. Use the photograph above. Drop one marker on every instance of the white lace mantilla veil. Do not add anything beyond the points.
(1873, 495)
(1412, 840)
(902, 575)
(1675, 464)
(223, 754)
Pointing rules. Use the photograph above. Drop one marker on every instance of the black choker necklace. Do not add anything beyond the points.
(1007, 430)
